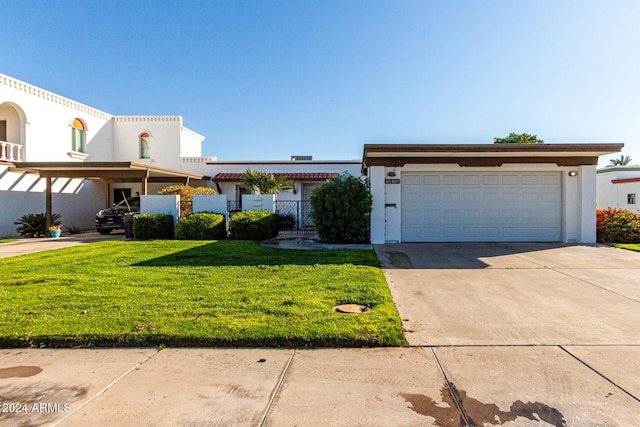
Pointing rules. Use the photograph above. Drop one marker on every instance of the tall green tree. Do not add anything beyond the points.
(266, 182)
(622, 161)
(518, 138)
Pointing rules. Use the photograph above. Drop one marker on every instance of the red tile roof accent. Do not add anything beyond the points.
(625, 180)
(293, 176)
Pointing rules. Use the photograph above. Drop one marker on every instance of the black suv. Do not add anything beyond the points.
(113, 219)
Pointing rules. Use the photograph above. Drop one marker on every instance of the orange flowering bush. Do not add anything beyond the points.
(617, 226)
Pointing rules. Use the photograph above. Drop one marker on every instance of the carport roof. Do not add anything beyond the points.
(114, 171)
(486, 154)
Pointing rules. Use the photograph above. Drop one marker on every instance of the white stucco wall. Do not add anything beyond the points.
(610, 195)
(77, 201)
(46, 118)
(190, 143)
(164, 141)
(578, 198)
(216, 203)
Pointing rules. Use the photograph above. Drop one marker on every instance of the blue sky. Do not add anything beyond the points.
(270, 79)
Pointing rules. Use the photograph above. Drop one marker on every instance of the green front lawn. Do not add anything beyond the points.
(194, 293)
(629, 246)
(7, 240)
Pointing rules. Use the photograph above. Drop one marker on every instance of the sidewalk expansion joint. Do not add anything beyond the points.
(453, 393)
(600, 374)
(101, 392)
(276, 389)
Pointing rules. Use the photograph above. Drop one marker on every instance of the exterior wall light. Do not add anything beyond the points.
(573, 173)
(392, 174)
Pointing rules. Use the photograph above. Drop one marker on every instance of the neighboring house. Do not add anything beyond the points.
(305, 173)
(86, 157)
(483, 192)
(619, 187)
(63, 156)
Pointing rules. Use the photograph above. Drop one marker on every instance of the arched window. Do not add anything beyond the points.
(78, 136)
(144, 145)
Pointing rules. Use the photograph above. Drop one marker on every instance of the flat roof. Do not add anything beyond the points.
(104, 170)
(486, 154)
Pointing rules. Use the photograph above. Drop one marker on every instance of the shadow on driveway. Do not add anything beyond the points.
(458, 255)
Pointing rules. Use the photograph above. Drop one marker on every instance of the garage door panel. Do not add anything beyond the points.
(511, 197)
(481, 207)
(451, 179)
(431, 180)
(411, 179)
(451, 197)
(490, 179)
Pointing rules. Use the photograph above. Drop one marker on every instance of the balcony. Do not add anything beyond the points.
(10, 152)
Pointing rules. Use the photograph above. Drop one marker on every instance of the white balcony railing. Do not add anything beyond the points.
(10, 152)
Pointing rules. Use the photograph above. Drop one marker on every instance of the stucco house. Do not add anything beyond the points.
(63, 156)
(619, 187)
(54, 150)
(483, 192)
(58, 154)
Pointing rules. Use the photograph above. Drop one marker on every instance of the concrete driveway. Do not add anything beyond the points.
(30, 246)
(548, 323)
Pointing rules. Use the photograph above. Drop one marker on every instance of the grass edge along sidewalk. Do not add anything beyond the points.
(194, 293)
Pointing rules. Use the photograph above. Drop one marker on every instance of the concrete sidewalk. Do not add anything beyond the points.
(29, 246)
(512, 386)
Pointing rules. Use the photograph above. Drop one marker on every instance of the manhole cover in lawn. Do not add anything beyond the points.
(351, 308)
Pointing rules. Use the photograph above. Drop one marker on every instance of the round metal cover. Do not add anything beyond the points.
(351, 308)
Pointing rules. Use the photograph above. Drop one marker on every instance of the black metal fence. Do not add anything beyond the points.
(299, 211)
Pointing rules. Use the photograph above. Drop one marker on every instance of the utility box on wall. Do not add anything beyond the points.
(259, 202)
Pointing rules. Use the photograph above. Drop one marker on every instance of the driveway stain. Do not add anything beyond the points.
(475, 413)
(19, 371)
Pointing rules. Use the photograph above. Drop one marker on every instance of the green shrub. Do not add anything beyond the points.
(253, 225)
(617, 226)
(341, 209)
(153, 226)
(201, 226)
(35, 225)
(286, 221)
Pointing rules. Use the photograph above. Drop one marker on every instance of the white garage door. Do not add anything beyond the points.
(481, 207)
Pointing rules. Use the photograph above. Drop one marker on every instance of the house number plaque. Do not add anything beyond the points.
(392, 181)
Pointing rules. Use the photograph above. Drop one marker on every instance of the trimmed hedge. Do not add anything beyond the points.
(153, 226)
(341, 209)
(201, 226)
(617, 226)
(253, 225)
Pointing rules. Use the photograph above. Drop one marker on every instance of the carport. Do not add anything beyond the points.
(106, 172)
